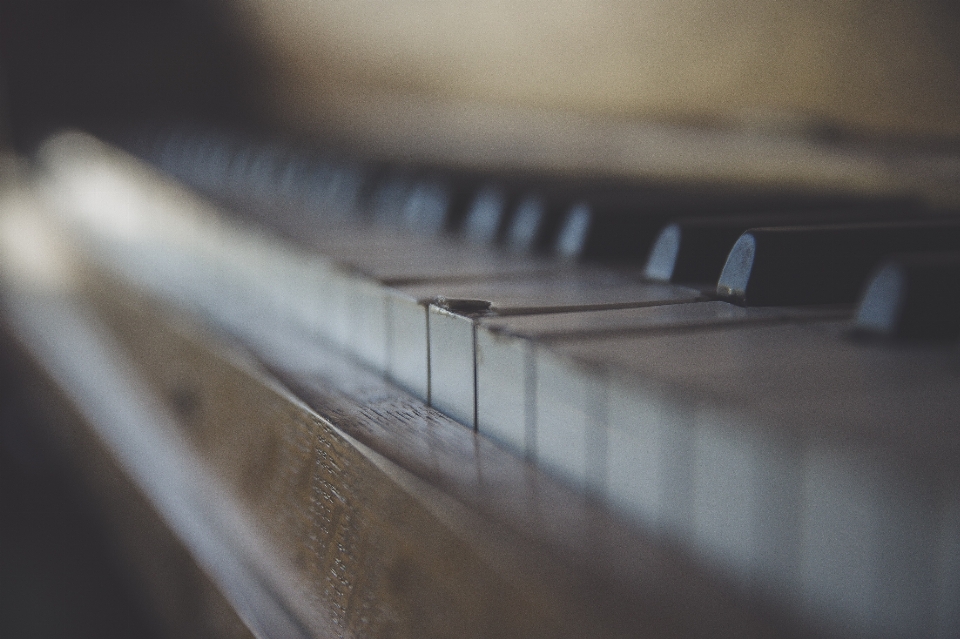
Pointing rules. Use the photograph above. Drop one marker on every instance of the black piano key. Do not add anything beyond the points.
(165, 149)
(624, 227)
(465, 187)
(208, 164)
(438, 203)
(615, 230)
(179, 154)
(237, 170)
(348, 185)
(915, 296)
(291, 177)
(425, 206)
(821, 264)
(306, 182)
(261, 174)
(621, 227)
(488, 214)
(519, 210)
(388, 196)
(535, 222)
(540, 205)
(370, 175)
(694, 250)
(285, 185)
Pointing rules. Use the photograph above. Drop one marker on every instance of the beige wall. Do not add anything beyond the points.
(572, 85)
(870, 65)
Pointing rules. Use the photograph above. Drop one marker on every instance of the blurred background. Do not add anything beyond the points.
(529, 81)
(107, 66)
(103, 65)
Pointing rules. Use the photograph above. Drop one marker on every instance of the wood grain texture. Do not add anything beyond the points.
(180, 598)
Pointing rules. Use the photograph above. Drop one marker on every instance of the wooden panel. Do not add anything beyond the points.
(180, 598)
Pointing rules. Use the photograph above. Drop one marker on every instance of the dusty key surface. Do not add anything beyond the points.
(452, 358)
(506, 375)
(804, 461)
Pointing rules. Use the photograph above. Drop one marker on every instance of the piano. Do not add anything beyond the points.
(415, 363)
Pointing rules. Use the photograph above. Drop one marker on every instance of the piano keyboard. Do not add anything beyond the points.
(797, 440)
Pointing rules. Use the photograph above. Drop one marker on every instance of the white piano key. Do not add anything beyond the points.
(777, 522)
(366, 309)
(407, 346)
(839, 544)
(311, 294)
(593, 321)
(569, 422)
(358, 316)
(584, 291)
(646, 434)
(947, 574)
(505, 390)
(407, 329)
(392, 255)
(505, 371)
(724, 491)
(452, 380)
(815, 489)
(906, 594)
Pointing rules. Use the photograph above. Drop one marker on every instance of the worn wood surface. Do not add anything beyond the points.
(181, 600)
